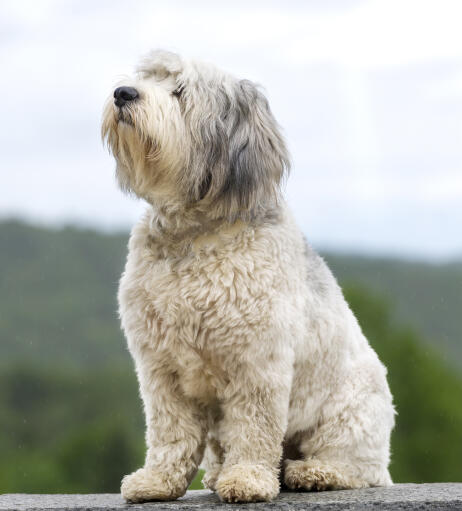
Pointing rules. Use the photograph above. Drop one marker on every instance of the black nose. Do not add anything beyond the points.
(123, 95)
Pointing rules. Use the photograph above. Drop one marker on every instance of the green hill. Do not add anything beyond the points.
(425, 296)
(58, 294)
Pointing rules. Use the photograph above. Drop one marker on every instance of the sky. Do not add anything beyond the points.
(369, 95)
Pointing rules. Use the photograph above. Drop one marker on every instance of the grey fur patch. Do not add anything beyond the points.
(244, 153)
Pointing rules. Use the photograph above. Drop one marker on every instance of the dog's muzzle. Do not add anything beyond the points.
(123, 95)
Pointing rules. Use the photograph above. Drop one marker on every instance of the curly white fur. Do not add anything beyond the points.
(248, 357)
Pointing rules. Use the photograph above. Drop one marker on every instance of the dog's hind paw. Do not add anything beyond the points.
(210, 479)
(147, 484)
(316, 475)
(245, 482)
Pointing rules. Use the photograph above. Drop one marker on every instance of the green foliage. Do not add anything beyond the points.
(196, 484)
(68, 430)
(70, 415)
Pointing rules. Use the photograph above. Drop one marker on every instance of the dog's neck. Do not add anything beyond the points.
(180, 224)
(180, 228)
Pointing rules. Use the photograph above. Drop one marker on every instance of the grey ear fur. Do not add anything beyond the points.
(248, 179)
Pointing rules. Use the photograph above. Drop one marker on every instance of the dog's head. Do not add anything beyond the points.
(186, 133)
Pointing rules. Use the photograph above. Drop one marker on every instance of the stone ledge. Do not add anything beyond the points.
(444, 496)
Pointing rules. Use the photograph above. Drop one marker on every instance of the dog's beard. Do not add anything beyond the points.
(138, 170)
(125, 116)
(148, 152)
(122, 130)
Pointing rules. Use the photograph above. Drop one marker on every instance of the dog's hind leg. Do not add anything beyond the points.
(331, 471)
(349, 450)
(212, 463)
(315, 474)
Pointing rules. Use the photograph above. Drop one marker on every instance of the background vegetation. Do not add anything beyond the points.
(70, 415)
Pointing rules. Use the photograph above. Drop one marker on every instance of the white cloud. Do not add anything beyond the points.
(368, 93)
(379, 34)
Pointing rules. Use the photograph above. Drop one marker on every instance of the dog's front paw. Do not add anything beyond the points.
(150, 484)
(244, 482)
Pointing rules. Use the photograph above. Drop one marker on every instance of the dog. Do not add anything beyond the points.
(249, 360)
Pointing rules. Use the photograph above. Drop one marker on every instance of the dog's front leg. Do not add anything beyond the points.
(175, 436)
(252, 430)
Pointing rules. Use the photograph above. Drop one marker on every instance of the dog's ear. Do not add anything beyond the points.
(257, 158)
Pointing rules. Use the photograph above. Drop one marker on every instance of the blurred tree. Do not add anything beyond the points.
(427, 442)
(91, 460)
(68, 429)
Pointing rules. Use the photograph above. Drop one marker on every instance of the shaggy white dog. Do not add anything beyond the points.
(248, 357)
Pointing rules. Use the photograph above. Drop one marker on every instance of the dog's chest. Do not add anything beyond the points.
(189, 297)
(193, 301)
(189, 306)
(199, 377)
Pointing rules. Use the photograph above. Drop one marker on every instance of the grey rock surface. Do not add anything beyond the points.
(445, 496)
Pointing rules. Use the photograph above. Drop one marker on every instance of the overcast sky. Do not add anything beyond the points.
(369, 94)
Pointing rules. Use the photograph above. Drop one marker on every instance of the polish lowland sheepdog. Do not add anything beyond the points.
(250, 362)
